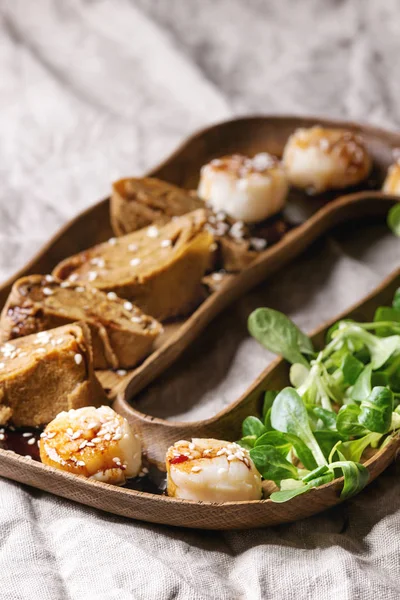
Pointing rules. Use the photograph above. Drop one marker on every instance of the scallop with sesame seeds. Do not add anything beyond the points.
(247, 189)
(94, 442)
(319, 159)
(210, 470)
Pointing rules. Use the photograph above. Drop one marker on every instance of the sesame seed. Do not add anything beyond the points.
(64, 284)
(49, 278)
(92, 275)
(50, 435)
(31, 441)
(73, 277)
(70, 432)
(112, 241)
(2, 437)
(237, 230)
(121, 372)
(96, 440)
(28, 456)
(112, 296)
(77, 434)
(152, 232)
(107, 437)
(217, 276)
(78, 358)
(145, 470)
(231, 457)
(80, 289)
(258, 244)
(99, 262)
(117, 460)
(43, 334)
(196, 469)
(80, 463)
(128, 305)
(133, 247)
(47, 291)
(82, 445)
(166, 244)
(7, 348)
(41, 350)
(137, 319)
(135, 262)
(27, 434)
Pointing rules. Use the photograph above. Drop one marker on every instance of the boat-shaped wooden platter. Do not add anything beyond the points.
(158, 434)
(312, 217)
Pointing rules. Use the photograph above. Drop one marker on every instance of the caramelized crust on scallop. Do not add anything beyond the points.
(96, 443)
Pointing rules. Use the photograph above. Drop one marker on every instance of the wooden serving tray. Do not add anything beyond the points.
(314, 216)
(158, 435)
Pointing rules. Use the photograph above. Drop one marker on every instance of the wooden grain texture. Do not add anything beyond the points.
(158, 434)
(248, 136)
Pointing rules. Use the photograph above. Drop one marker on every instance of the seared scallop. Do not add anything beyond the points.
(211, 471)
(94, 442)
(247, 189)
(392, 182)
(319, 159)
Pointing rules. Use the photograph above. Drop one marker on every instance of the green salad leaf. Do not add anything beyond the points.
(376, 410)
(393, 219)
(271, 464)
(288, 414)
(280, 335)
(344, 400)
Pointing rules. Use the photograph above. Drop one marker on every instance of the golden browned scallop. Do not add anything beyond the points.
(247, 189)
(211, 471)
(94, 442)
(319, 159)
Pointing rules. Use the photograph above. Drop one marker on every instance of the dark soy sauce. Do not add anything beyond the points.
(17, 440)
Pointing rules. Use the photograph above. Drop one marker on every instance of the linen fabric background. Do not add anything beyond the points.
(94, 90)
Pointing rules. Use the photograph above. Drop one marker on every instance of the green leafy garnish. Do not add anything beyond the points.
(280, 335)
(271, 464)
(344, 400)
(393, 219)
(376, 410)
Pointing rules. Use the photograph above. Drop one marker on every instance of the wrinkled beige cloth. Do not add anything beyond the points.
(93, 90)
